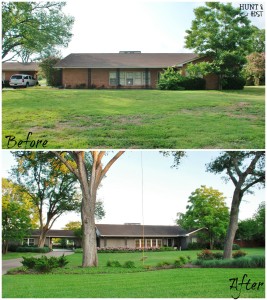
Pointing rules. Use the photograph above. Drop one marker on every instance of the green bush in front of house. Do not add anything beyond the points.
(172, 79)
(33, 249)
(233, 83)
(44, 264)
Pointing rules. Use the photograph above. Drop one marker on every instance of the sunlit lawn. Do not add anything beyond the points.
(135, 118)
(104, 282)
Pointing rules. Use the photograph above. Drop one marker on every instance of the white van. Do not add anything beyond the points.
(22, 80)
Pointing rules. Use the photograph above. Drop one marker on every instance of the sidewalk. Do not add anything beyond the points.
(16, 262)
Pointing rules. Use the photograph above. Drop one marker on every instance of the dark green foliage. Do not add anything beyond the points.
(167, 249)
(28, 262)
(44, 264)
(113, 263)
(218, 255)
(236, 247)
(33, 249)
(193, 83)
(172, 79)
(239, 253)
(233, 83)
(197, 246)
(129, 264)
(256, 261)
(163, 264)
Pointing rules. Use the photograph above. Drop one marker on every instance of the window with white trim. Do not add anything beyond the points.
(129, 78)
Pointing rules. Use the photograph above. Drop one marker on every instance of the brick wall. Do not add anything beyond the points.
(74, 77)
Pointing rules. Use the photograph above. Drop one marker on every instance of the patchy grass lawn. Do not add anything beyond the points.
(105, 282)
(143, 119)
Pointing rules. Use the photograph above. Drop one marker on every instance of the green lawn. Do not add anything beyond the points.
(104, 282)
(135, 118)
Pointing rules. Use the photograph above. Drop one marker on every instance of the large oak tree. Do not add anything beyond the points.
(89, 178)
(49, 184)
(246, 169)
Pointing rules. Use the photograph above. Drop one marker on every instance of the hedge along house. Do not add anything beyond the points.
(127, 235)
(11, 68)
(127, 69)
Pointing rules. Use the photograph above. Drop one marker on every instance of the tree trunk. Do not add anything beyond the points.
(42, 237)
(233, 225)
(4, 247)
(88, 215)
(89, 233)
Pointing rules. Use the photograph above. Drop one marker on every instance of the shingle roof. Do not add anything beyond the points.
(55, 233)
(17, 66)
(137, 230)
(125, 230)
(125, 60)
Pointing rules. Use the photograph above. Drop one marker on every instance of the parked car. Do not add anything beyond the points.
(22, 80)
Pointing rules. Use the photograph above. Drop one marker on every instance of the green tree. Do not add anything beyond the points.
(16, 214)
(89, 178)
(253, 228)
(50, 185)
(52, 75)
(223, 33)
(257, 40)
(246, 169)
(206, 208)
(34, 28)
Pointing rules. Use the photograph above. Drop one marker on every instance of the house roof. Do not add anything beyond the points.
(124, 230)
(125, 60)
(18, 66)
(136, 230)
(55, 233)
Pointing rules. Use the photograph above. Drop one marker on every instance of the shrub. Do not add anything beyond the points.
(129, 264)
(167, 249)
(218, 255)
(44, 264)
(196, 246)
(233, 83)
(170, 79)
(205, 255)
(163, 264)
(178, 263)
(78, 250)
(193, 83)
(33, 249)
(236, 247)
(113, 263)
(256, 261)
(238, 254)
(28, 262)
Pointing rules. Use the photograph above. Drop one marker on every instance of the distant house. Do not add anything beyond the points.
(127, 69)
(11, 68)
(127, 235)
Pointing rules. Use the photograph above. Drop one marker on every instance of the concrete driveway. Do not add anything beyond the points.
(16, 262)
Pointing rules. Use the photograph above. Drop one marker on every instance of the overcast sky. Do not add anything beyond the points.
(165, 190)
(148, 26)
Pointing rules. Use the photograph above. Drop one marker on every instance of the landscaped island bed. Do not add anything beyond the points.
(143, 119)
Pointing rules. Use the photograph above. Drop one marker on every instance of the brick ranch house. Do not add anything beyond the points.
(126, 235)
(126, 69)
(11, 68)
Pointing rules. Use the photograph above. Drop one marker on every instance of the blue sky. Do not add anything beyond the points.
(148, 26)
(165, 190)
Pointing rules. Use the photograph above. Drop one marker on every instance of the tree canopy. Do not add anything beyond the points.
(223, 33)
(34, 28)
(206, 208)
(49, 184)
